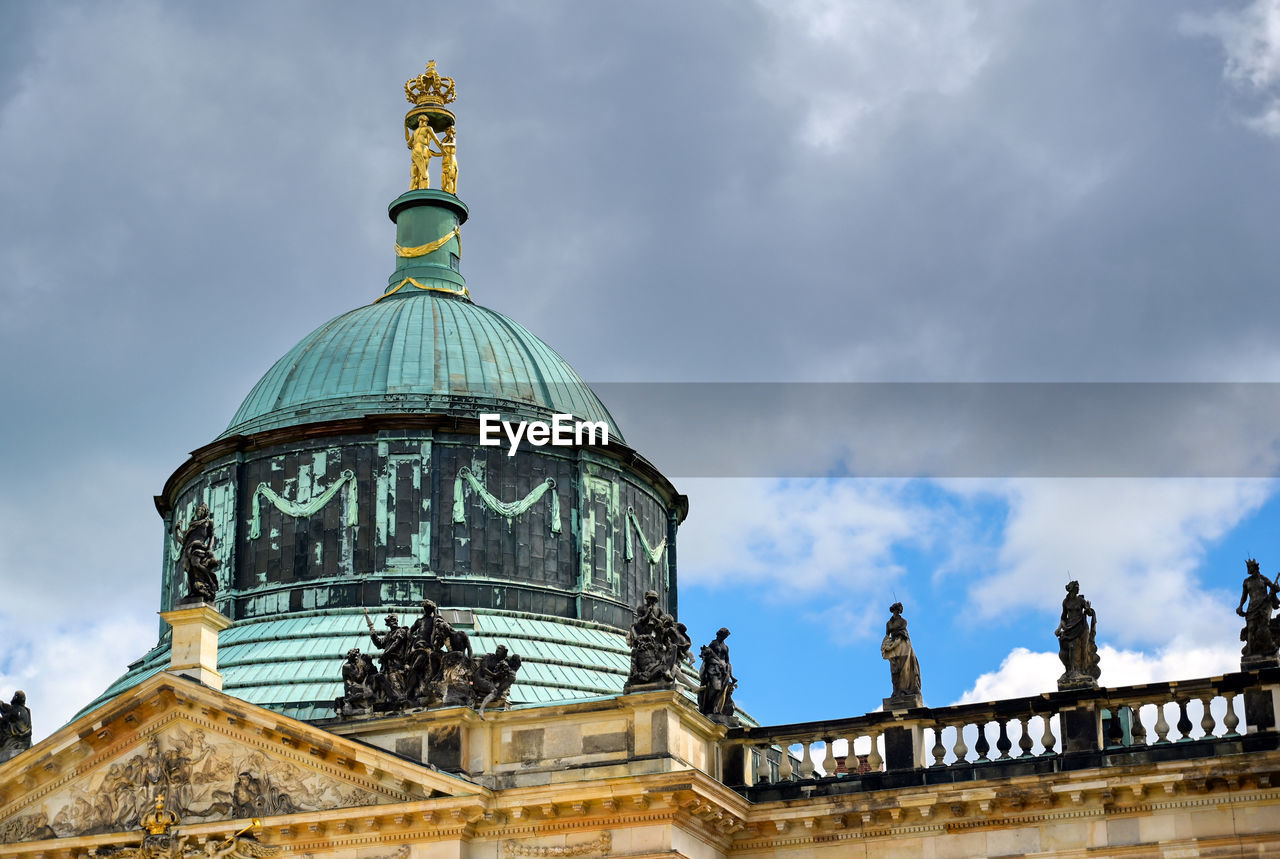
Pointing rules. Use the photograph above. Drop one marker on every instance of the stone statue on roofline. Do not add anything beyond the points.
(427, 664)
(1260, 634)
(717, 683)
(494, 674)
(904, 667)
(658, 646)
(15, 726)
(394, 662)
(360, 685)
(1077, 644)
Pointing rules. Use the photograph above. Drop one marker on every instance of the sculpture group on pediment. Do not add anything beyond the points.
(196, 779)
(15, 726)
(658, 645)
(427, 664)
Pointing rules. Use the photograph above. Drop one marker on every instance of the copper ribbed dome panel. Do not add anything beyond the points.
(423, 352)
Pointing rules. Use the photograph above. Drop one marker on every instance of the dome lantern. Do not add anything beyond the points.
(428, 221)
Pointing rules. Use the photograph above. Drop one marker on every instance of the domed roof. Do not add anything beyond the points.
(418, 352)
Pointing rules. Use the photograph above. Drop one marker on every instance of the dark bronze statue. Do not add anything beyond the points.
(428, 664)
(394, 662)
(15, 727)
(198, 561)
(658, 645)
(715, 692)
(1260, 635)
(495, 672)
(1077, 645)
(360, 683)
(904, 667)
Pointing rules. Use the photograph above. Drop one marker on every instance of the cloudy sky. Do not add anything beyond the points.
(775, 192)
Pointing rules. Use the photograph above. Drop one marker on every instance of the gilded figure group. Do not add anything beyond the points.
(426, 664)
(425, 145)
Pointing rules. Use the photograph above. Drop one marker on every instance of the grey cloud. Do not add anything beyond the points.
(189, 189)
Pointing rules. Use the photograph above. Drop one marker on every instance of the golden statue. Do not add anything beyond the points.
(449, 162)
(421, 153)
(429, 93)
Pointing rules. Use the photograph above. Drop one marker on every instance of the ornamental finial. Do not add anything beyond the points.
(429, 87)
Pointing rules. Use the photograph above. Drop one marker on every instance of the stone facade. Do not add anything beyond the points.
(646, 775)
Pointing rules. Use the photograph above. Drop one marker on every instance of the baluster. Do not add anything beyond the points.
(1231, 720)
(829, 760)
(1003, 743)
(1048, 740)
(1137, 729)
(982, 746)
(1184, 721)
(1206, 718)
(939, 750)
(1115, 727)
(784, 766)
(1162, 726)
(1024, 739)
(851, 759)
(874, 760)
(806, 759)
(960, 749)
(763, 772)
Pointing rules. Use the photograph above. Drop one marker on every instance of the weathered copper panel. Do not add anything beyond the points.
(369, 519)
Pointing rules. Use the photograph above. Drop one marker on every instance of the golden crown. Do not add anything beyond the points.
(429, 87)
(158, 821)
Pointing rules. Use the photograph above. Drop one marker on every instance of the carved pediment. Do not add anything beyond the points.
(205, 764)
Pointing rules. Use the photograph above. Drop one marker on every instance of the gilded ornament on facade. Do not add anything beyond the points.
(429, 247)
(158, 820)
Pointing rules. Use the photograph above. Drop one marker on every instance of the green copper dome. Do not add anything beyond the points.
(417, 351)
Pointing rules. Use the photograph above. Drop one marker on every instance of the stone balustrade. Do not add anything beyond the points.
(1051, 732)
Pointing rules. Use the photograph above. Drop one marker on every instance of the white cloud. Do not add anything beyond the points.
(806, 534)
(78, 563)
(807, 537)
(854, 64)
(1135, 546)
(63, 671)
(1251, 39)
(1024, 673)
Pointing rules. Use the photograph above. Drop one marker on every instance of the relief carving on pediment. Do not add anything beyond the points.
(199, 778)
